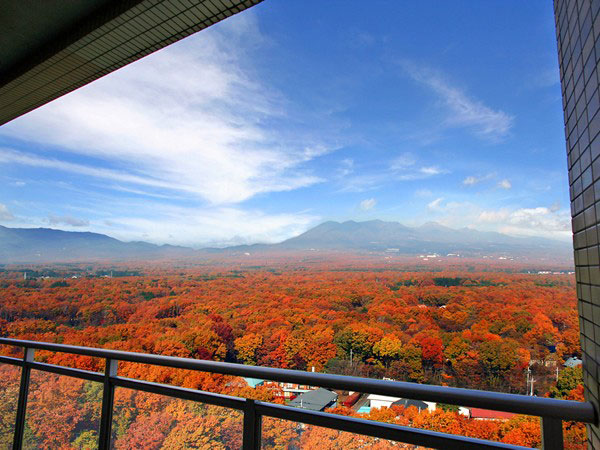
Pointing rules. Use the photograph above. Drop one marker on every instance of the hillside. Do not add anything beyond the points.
(48, 245)
(31, 245)
(380, 236)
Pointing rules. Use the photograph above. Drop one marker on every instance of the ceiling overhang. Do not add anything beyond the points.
(49, 48)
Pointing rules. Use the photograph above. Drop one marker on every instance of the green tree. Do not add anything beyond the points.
(409, 366)
(87, 440)
(358, 339)
(568, 379)
(387, 350)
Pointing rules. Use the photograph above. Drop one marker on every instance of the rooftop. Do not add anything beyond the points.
(316, 400)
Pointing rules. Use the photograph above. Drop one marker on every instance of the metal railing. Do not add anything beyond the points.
(551, 411)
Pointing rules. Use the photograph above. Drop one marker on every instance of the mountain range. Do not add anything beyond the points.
(44, 245)
(30, 245)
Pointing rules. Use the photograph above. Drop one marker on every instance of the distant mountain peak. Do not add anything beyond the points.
(431, 237)
(434, 226)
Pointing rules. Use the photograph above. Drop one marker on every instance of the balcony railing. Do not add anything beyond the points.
(551, 411)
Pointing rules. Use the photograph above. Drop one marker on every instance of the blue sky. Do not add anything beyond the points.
(293, 113)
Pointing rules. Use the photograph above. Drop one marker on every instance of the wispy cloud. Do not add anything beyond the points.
(403, 162)
(419, 173)
(5, 214)
(16, 157)
(362, 182)
(473, 180)
(423, 193)
(450, 210)
(463, 110)
(435, 205)
(67, 220)
(192, 130)
(367, 204)
(403, 167)
(546, 78)
(505, 184)
(190, 118)
(346, 167)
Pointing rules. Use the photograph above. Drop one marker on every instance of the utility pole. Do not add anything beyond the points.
(350, 356)
(528, 375)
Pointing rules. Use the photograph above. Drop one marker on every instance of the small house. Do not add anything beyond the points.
(316, 400)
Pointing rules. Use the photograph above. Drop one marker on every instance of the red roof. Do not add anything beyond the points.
(478, 413)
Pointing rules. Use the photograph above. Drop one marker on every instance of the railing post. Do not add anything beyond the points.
(108, 395)
(252, 426)
(28, 356)
(552, 434)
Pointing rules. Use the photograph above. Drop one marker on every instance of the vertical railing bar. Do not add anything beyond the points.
(252, 427)
(28, 355)
(552, 434)
(108, 395)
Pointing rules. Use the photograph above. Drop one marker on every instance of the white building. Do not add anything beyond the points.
(380, 401)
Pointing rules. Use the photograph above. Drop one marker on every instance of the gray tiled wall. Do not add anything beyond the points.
(578, 36)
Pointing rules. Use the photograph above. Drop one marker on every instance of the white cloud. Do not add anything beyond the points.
(12, 156)
(435, 205)
(472, 180)
(494, 216)
(346, 167)
(402, 168)
(363, 182)
(454, 212)
(5, 214)
(405, 166)
(368, 204)
(419, 173)
(194, 117)
(432, 170)
(403, 162)
(67, 220)
(423, 193)
(193, 130)
(221, 226)
(505, 184)
(539, 221)
(464, 111)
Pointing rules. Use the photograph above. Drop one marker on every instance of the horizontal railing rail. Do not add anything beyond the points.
(551, 411)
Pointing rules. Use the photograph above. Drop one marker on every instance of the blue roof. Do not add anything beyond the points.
(253, 382)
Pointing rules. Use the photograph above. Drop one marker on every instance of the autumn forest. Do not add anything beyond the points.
(501, 327)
